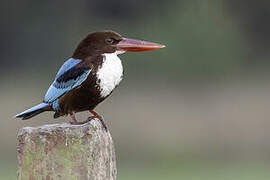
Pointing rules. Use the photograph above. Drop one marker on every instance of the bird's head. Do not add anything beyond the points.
(97, 43)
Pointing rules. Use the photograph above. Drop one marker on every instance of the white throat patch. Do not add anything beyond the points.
(110, 74)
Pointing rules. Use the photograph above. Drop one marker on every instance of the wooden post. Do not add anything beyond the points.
(66, 152)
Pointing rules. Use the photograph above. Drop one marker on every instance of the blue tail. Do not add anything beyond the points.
(33, 111)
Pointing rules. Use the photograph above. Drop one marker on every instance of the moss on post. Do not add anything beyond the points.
(68, 152)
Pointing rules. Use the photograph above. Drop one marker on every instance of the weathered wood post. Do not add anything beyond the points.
(66, 152)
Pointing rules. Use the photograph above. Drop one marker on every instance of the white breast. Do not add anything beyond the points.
(110, 74)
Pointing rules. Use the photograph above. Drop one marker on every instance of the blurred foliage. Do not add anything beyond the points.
(203, 38)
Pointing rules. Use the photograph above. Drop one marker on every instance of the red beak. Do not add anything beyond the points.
(137, 45)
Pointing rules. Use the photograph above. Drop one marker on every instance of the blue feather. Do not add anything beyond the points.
(55, 105)
(31, 110)
(70, 63)
(67, 78)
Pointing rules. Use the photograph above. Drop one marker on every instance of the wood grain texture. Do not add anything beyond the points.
(64, 151)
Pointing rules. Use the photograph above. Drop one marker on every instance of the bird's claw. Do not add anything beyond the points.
(78, 123)
(101, 120)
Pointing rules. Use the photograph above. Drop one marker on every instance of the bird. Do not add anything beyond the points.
(88, 77)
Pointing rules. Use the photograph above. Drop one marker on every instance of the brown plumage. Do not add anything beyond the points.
(87, 95)
(89, 76)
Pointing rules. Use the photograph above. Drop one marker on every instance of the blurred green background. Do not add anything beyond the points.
(198, 109)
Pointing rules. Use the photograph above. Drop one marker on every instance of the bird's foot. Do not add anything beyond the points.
(100, 119)
(75, 122)
(79, 122)
(96, 115)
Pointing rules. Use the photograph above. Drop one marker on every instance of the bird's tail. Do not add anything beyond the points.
(29, 113)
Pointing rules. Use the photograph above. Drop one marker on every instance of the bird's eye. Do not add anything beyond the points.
(109, 41)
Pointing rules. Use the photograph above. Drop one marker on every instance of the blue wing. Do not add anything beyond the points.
(68, 77)
(70, 63)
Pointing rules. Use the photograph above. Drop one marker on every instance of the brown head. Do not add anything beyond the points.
(101, 42)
